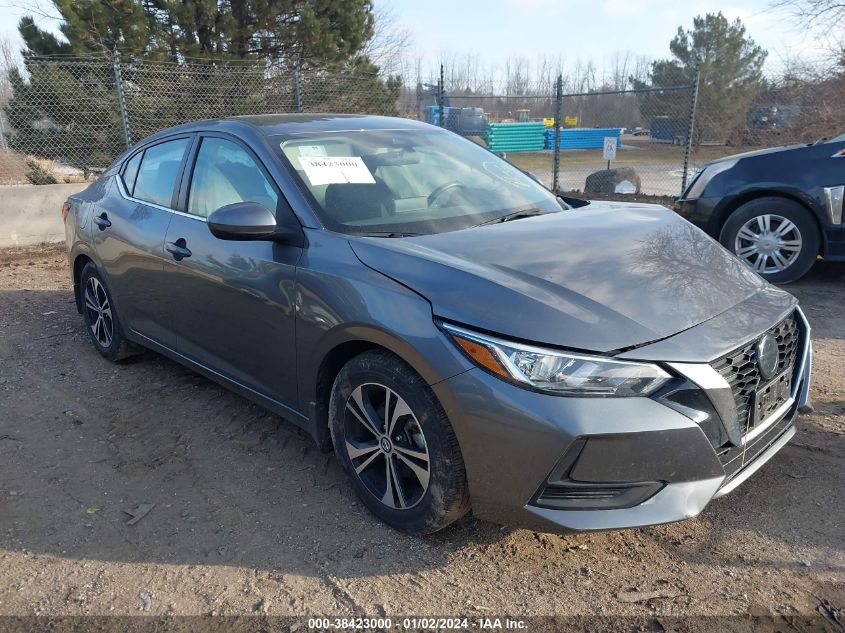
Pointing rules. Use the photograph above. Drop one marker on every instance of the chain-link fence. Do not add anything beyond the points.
(517, 119)
(794, 111)
(67, 119)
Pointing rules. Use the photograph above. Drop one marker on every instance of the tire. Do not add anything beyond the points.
(797, 247)
(100, 315)
(421, 427)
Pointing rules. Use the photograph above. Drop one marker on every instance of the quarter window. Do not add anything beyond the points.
(130, 172)
(224, 174)
(159, 168)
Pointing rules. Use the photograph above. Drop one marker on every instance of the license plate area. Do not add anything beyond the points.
(769, 397)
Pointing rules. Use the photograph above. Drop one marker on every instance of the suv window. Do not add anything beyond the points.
(130, 172)
(159, 168)
(225, 173)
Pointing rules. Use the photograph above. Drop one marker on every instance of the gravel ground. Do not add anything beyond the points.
(248, 517)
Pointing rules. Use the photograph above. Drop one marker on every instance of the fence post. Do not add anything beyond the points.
(121, 101)
(558, 107)
(693, 112)
(4, 145)
(441, 95)
(297, 88)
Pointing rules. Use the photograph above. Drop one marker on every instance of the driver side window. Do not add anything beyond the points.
(225, 173)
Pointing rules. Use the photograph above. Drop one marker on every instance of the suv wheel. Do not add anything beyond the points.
(395, 442)
(100, 315)
(775, 237)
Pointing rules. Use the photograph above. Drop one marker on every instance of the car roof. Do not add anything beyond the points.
(270, 124)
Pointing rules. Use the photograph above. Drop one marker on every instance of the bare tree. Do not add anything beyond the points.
(390, 41)
(9, 60)
(825, 19)
(826, 14)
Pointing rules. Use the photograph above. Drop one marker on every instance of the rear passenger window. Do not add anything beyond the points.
(157, 175)
(130, 172)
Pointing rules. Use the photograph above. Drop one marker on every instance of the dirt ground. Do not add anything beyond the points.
(249, 517)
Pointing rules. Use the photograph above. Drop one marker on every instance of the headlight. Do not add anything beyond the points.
(698, 185)
(559, 373)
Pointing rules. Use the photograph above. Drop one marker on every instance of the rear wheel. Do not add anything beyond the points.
(775, 237)
(100, 315)
(395, 442)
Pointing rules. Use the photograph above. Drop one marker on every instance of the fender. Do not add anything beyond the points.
(736, 197)
(344, 307)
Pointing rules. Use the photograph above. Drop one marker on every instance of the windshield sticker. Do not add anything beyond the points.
(336, 169)
(312, 150)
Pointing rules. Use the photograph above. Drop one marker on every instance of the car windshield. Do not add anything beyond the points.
(837, 139)
(407, 182)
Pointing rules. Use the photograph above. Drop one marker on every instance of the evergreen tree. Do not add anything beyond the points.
(67, 109)
(731, 66)
(302, 32)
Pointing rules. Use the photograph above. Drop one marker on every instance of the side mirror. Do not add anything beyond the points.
(243, 221)
(575, 203)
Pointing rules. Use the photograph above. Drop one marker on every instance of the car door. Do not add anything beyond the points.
(233, 301)
(128, 235)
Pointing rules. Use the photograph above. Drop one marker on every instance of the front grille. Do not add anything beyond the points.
(740, 368)
(735, 458)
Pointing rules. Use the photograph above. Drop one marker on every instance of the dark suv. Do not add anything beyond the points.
(776, 209)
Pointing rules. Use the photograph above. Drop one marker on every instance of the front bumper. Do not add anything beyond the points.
(699, 211)
(617, 462)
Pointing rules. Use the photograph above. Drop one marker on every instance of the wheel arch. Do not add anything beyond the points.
(732, 203)
(80, 261)
(340, 347)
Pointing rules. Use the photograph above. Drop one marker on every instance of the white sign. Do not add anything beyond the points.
(335, 169)
(609, 148)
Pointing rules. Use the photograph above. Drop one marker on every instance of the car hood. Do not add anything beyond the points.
(756, 152)
(594, 279)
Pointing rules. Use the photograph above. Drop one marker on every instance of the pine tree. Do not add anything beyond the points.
(731, 66)
(67, 110)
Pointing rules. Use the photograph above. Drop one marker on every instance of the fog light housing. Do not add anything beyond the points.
(582, 496)
(560, 492)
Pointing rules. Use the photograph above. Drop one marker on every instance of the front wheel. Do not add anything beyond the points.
(775, 237)
(395, 442)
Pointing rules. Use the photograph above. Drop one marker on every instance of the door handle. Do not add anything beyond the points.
(102, 221)
(178, 249)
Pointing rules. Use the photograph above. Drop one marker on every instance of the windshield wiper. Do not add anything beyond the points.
(515, 215)
(388, 234)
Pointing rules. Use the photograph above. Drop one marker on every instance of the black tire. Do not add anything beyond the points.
(114, 347)
(446, 497)
(796, 213)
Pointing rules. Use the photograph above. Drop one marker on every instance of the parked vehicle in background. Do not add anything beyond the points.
(459, 335)
(776, 209)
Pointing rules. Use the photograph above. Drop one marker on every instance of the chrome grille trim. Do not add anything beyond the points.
(769, 435)
(752, 467)
(739, 368)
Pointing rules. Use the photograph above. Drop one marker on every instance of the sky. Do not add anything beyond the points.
(496, 29)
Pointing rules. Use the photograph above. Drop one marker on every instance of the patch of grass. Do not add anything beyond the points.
(38, 173)
(13, 168)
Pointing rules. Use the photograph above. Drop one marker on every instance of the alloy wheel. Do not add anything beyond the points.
(386, 446)
(99, 312)
(768, 243)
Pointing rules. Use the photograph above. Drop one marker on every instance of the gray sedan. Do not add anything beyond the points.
(458, 335)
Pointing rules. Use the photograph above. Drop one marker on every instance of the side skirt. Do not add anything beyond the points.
(280, 409)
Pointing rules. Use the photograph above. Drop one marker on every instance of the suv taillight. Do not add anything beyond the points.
(65, 210)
